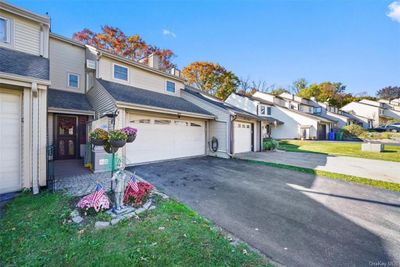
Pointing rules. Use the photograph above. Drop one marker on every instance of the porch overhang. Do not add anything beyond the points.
(71, 111)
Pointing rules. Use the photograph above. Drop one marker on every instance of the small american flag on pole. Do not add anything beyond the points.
(97, 200)
(133, 184)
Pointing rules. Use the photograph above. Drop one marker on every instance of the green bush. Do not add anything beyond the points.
(270, 144)
(354, 129)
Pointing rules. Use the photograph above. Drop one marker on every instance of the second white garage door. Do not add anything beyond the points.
(10, 136)
(164, 138)
(242, 137)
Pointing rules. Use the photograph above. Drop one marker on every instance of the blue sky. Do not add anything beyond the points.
(354, 42)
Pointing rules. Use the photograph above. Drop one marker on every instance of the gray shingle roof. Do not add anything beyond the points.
(15, 62)
(67, 100)
(133, 95)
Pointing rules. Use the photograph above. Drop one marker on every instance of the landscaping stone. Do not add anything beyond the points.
(152, 207)
(140, 210)
(371, 147)
(147, 204)
(77, 219)
(164, 196)
(74, 213)
(101, 225)
(115, 221)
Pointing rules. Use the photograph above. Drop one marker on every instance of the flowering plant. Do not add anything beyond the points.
(117, 135)
(129, 130)
(137, 195)
(99, 134)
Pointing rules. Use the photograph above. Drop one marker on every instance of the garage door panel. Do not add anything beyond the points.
(163, 139)
(242, 137)
(10, 129)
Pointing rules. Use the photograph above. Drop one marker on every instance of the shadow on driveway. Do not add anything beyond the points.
(294, 218)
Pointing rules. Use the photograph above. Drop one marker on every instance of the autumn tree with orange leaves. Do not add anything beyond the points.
(211, 78)
(132, 47)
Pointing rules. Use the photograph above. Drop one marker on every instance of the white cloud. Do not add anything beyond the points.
(168, 33)
(394, 11)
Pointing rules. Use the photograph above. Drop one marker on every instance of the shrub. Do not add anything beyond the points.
(354, 129)
(99, 134)
(270, 144)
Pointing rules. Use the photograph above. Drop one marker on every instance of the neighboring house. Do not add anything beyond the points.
(300, 118)
(24, 79)
(262, 109)
(342, 118)
(236, 130)
(68, 107)
(148, 99)
(372, 113)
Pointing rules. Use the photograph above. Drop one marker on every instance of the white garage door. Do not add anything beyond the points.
(242, 137)
(10, 136)
(163, 138)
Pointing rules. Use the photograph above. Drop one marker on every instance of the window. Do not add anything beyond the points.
(120, 73)
(195, 124)
(162, 122)
(317, 110)
(170, 87)
(4, 30)
(181, 123)
(262, 110)
(268, 110)
(73, 80)
(144, 121)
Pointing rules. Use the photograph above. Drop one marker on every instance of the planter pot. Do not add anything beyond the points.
(131, 138)
(117, 143)
(97, 142)
(111, 150)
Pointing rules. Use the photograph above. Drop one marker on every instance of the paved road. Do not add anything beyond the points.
(294, 218)
(367, 168)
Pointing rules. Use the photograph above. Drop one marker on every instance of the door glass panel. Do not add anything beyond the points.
(61, 148)
(71, 148)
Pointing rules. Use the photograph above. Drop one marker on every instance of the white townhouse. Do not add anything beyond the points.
(300, 119)
(24, 81)
(372, 113)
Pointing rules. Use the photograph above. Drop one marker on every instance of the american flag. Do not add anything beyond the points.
(97, 200)
(133, 184)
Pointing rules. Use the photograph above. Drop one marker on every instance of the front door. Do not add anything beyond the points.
(66, 137)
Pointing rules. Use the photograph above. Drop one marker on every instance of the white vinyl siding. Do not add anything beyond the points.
(27, 37)
(66, 59)
(10, 134)
(161, 138)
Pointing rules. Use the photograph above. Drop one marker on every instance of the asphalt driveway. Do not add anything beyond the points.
(293, 218)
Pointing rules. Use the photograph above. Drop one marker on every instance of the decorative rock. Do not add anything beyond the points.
(147, 204)
(74, 213)
(77, 219)
(115, 221)
(152, 207)
(140, 210)
(101, 225)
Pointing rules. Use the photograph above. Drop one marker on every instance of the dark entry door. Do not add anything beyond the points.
(66, 137)
(321, 131)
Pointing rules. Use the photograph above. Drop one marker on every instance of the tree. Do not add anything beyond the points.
(299, 85)
(279, 90)
(389, 92)
(131, 47)
(211, 78)
(249, 87)
(332, 92)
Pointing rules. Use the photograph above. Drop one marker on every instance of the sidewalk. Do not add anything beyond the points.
(367, 168)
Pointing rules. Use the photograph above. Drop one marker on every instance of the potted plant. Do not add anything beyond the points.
(131, 133)
(109, 149)
(117, 138)
(98, 137)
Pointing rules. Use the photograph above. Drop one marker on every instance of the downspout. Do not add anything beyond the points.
(35, 138)
(231, 133)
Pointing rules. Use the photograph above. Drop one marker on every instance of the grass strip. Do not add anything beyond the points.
(333, 175)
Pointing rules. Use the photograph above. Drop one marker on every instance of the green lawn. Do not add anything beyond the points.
(391, 153)
(33, 232)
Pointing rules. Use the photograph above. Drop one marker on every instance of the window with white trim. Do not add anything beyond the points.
(4, 30)
(120, 72)
(170, 87)
(73, 80)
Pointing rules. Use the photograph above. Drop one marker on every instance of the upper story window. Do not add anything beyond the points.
(265, 110)
(170, 87)
(73, 80)
(120, 72)
(4, 30)
(317, 110)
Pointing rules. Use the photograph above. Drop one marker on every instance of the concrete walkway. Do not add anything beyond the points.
(367, 168)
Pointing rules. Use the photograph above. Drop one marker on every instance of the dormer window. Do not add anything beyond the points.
(170, 87)
(73, 80)
(120, 72)
(264, 110)
(4, 30)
